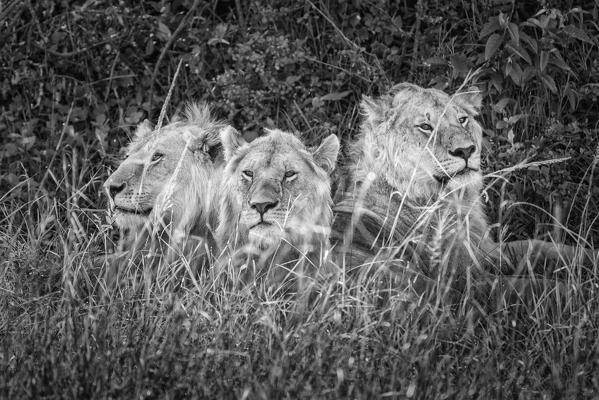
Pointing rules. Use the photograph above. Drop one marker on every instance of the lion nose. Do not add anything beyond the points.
(114, 189)
(263, 206)
(463, 152)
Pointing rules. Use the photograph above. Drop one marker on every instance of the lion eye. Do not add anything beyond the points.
(425, 127)
(157, 156)
(290, 174)
(247, 174)
(463, 121)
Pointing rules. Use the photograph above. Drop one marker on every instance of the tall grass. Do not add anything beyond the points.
(74, 324)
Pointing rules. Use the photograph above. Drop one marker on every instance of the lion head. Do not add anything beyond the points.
(276, 190)
(416, 170)
(170, 175)
(423, 140)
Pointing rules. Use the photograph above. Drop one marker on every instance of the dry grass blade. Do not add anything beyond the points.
(525, 165)
(168, 96)
(161, 119)
(65, 126)
(167, 46)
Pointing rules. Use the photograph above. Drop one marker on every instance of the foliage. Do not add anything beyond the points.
(76, 77)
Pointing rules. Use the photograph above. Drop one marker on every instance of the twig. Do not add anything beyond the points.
(358, 76)
(165, 49)
(330, 21)
(112, 78)
(73, 53)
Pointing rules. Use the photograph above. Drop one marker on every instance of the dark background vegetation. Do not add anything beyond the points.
(77, 76)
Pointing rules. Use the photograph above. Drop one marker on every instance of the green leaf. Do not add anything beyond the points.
(489, 28)
(492, 45)
(218, 35)
(501, 104)
(434, 61)
(497, 81)
(511, 136)
(27, 142)
(514, 32)
(507, 68)
(556, 59)
(572, 97)
(544, 21)
(133, 116)
(528, 73)
(532, 43)
(501, 124)
(163, 32)
(534, 22)
(459, 63)
(549, 83)
(577, 33)
(519, 51)
(502, 19)
(516, 73)
(543, 60)
(515, 118)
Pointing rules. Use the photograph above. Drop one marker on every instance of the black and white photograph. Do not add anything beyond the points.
(299, 199)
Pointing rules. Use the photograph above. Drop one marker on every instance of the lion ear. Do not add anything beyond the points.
(143, 129)
(325, 156)
(373, 109)
(406, 87)
(471, 100)
(232, 141)
(402, 92)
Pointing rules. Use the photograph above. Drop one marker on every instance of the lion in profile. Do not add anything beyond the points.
(416, 180)
(167, 191)
(276, 207)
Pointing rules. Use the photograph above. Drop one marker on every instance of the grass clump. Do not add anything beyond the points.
(69, 330)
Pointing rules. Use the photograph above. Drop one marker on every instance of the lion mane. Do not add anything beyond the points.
(166, 190)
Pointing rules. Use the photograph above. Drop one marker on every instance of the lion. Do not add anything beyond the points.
(166, 191)
(276, 206)
(417, 180)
